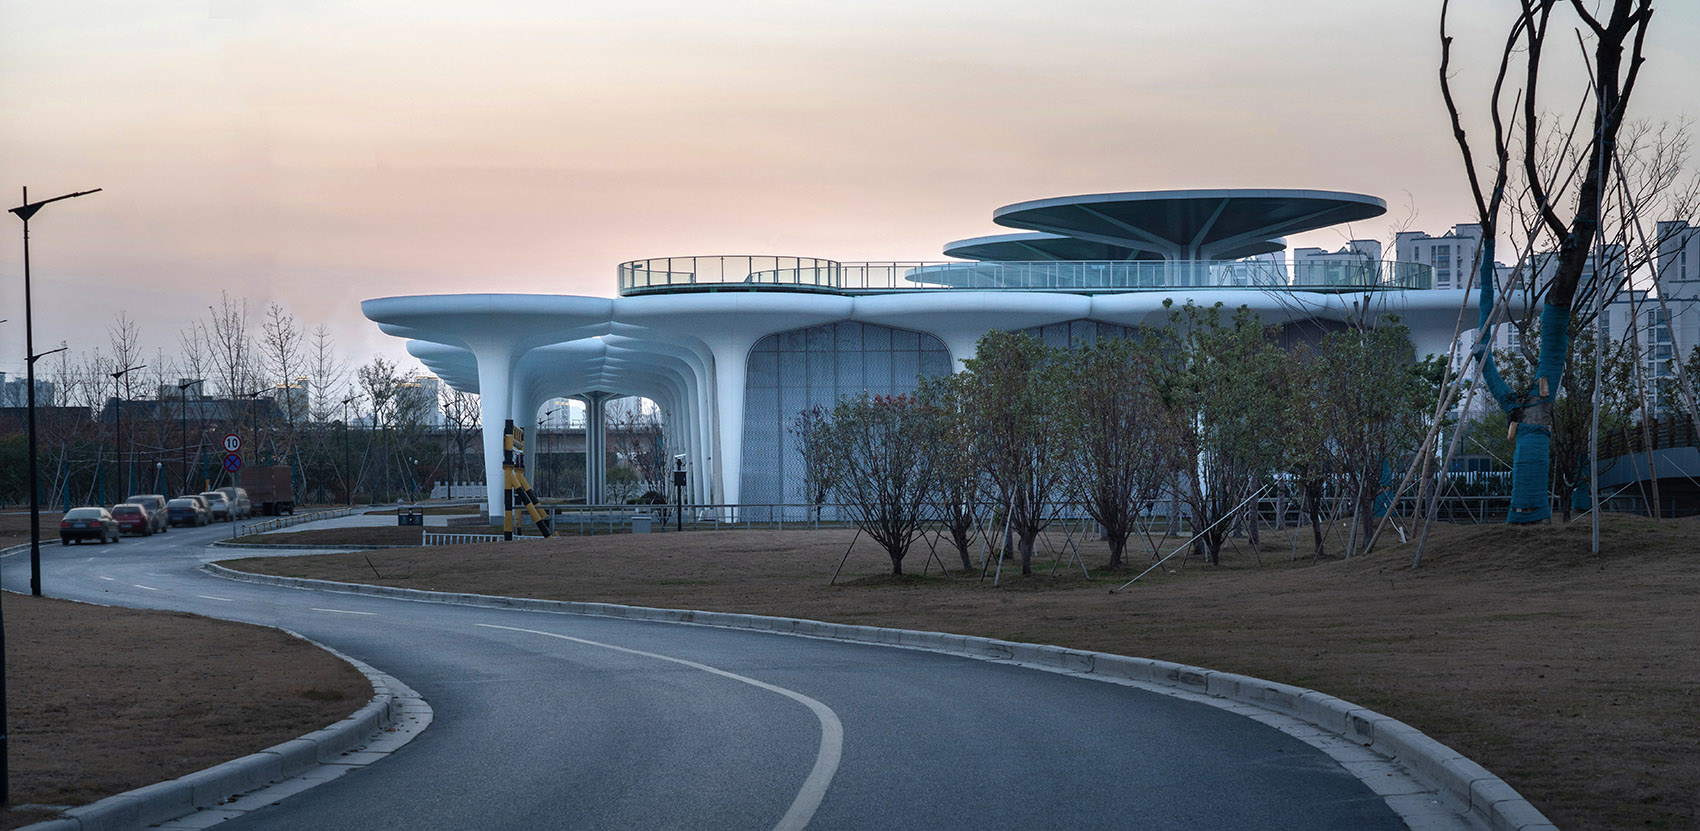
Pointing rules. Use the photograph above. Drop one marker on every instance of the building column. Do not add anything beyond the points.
(731, 355)
(495, 376)
(595, 447)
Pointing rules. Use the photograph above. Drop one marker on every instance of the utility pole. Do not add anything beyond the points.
(347, 488)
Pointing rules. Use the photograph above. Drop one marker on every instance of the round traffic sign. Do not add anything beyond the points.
(232, 442)
(232, 462)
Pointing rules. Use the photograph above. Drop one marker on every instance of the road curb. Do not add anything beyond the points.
(393, 716)
(1468, 787)
(262, 546)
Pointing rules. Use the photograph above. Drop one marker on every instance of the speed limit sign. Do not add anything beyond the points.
(232, 443)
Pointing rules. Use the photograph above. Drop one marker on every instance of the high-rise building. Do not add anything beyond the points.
(1451, 254)
(14, 392)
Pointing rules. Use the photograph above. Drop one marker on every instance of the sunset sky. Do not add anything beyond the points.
(319, 153)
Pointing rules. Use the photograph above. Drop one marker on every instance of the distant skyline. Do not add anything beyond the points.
(319, 154)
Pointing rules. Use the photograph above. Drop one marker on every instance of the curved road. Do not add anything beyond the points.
(563, 721)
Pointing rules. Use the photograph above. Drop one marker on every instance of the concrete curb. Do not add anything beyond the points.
(262, 546)
(393, 716)
(1466, 786)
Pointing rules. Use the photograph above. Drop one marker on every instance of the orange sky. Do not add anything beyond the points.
(321, 153)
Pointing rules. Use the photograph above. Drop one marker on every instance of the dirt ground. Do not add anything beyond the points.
(15, 526)
(1572, 676)
(101, 700)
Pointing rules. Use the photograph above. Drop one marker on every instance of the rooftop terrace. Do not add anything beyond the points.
(808, 274)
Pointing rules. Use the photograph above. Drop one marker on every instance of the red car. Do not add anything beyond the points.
(132, 518)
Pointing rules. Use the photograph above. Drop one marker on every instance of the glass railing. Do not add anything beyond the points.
(802, 273)
(660, 273)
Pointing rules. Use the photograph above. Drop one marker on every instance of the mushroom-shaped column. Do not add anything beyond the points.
(498, 329)
(728, 324)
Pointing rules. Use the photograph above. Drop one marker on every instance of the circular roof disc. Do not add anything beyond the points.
(1190, 224)
(1034, 246)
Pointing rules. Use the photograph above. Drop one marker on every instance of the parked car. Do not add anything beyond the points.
(188, 510)
(88, 523)
(219, 505)
(239, 501)
(132, 519)
(155, 505)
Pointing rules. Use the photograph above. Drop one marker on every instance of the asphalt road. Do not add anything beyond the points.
(561, 721)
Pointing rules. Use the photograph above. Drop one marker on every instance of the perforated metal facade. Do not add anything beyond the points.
(1078, 333)
(793, 371)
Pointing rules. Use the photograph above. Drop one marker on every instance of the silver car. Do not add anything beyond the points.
(220, 506)
(155, 505)
(239, 502)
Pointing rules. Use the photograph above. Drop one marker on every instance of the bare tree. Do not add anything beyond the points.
(281, 358)
(1559, 167)
(230, 348)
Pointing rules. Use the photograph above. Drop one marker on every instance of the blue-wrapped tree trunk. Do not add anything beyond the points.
(1529, 410)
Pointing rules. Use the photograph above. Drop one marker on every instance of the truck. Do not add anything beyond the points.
(270, 489)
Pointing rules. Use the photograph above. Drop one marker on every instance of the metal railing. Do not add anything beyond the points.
(803, 273)
(675, 272)
(276, 523)
(429, 537)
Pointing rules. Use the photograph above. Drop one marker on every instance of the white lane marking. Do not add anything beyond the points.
(344, 612)
(219, 599)
(831, 729)
(106, 578)
(140, 586)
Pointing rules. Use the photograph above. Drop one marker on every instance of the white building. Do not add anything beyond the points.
(732, 348)
(1451, 254)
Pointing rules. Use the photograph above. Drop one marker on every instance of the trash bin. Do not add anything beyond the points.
(641, 523)
(410, 516)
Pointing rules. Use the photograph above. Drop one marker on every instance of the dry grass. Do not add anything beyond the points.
(102, 700)
(15, 526)
(1572, 676)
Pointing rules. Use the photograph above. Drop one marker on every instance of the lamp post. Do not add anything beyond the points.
(679, 493)
(24, 212)
(118, 428)
(183, 429)
(253, 430)
(347, 489)
(540, 456)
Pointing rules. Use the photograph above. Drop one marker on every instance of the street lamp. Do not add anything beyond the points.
(183, 428)
(679, 492)
(253, 430)
(539, 454)
(24, 212)
(347, 489)
(118, 427)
